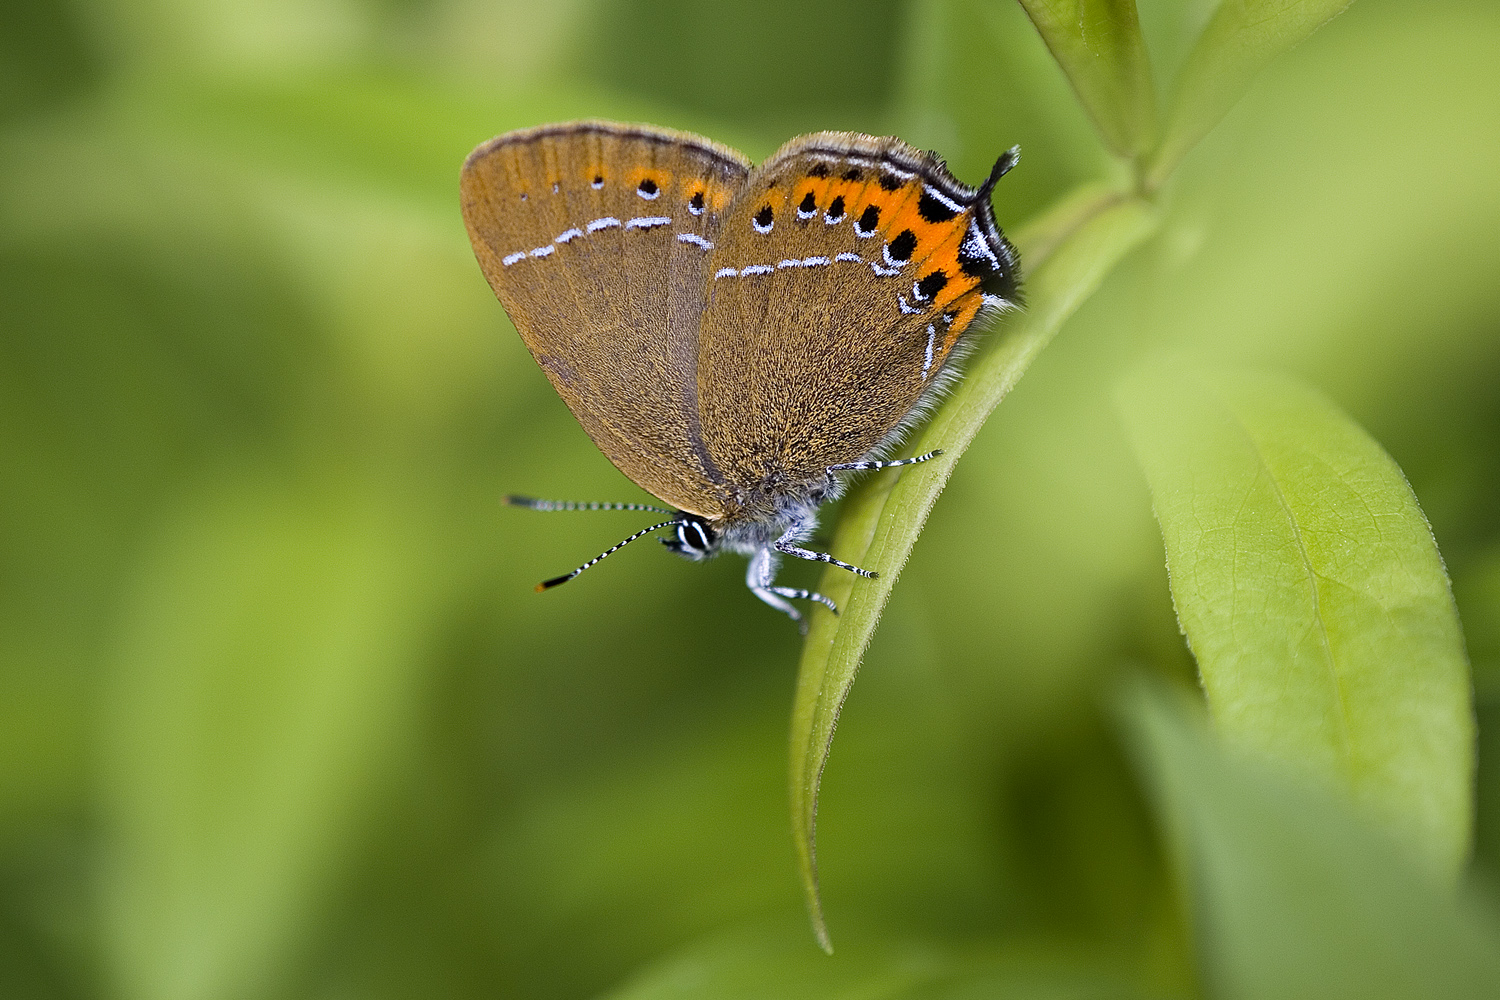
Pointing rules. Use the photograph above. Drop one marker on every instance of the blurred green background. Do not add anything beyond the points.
(279, 713)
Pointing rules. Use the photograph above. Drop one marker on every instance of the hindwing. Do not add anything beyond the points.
(844, 274)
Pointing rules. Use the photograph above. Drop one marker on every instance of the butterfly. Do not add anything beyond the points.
(736, 339)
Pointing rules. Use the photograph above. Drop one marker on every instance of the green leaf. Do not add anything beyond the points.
(1295, 896)
(1311, 592)
(1068, 253)
(1098, 44)
(1240, 40)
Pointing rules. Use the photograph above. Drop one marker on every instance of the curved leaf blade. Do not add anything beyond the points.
(1241, 39)
(1099, 46)
(1084, 238)
(1309, 587)
(1294, 894)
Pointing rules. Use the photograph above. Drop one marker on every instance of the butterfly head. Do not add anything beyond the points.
(693, 538)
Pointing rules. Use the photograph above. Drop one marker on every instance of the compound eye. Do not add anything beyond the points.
(693, 536)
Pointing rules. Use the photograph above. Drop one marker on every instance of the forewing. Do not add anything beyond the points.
(595, 237)
(845, 273)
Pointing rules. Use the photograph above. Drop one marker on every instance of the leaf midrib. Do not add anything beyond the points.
(1330, 661)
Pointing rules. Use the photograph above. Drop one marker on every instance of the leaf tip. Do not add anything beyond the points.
(820, 929)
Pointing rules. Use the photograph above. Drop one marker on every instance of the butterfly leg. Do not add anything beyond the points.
(871, 466)
(786, 545)
(759, 576)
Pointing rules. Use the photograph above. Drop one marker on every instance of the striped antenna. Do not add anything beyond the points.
(530, 503)
(547, 584)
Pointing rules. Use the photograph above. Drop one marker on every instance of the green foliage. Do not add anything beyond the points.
(1298, 896)
(1239, 40)
(1099, 45)
(1071, 251)
(281, 717)
(1309, 588)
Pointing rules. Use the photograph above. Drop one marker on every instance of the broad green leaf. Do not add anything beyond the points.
(1310, 590)
(1240, 40)
(1294, 895)
(260, 693)
(1066, 255)
(1098, 45)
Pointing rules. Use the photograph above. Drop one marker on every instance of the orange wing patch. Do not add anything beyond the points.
(917, 223)
(649, 182)
(927, 228)
(877, 199)
(963, 312)
(944, 259)
(913, 223)
(810, 195)
(597, 175)
(834, 194)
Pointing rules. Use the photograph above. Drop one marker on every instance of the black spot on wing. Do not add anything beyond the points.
(933, 210)
(903, 245)
(931, 285)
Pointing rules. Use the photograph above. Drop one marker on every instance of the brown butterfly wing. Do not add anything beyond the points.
(596, 238)
(845, 273)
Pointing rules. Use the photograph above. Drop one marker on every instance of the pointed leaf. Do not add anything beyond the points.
(1309, 587)
(1067, 253)
(1098, 44)
(1240, 40)
(1294, 896)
